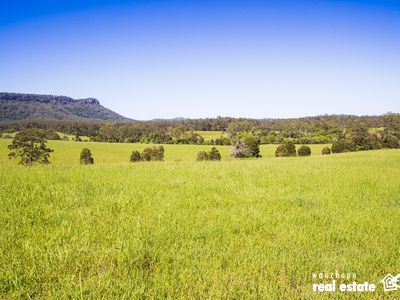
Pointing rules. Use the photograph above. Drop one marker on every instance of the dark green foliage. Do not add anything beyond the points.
(153, 153)
(326, 151)
(86, 157)
(135, 156)
(391, 122)
(309, 130)
(246, 146)
(363, 140)
(391, 141)
(304, 151)
(214, 154)
(343, 145)
(285, 150)
(202, 155)
(30, 146)
(222, 141)
(281, 151)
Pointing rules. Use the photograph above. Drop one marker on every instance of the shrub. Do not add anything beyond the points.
(214, 154)
(30, 146)
(326, 151)
(7, 136)
(343, 145)
(391, 141)
(304, 151)
(52, 135)
(153, 153)
(135, 156)
(247, 146)
(86, 157)
(286, 149)
(202, 155)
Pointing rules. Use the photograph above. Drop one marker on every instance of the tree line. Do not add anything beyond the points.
(309, 130)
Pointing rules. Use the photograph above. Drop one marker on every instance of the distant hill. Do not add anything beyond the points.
(15, 106)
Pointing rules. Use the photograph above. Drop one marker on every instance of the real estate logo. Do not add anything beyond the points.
(390, 282)
(347, 282)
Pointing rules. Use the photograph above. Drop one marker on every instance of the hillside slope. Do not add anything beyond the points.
(15, 106)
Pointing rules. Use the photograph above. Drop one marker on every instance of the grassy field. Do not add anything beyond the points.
(210, 135)
(110, 153)
(180, 229)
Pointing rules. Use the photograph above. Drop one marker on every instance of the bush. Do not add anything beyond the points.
(286, 149)
(343, 145)
(153, 153)
(7, 136)
(247, 146)
(326, 151)
(135, 156)
(86, 157)
(304, 151)
(214, 154)
(202, 155)
(52, 135)
(391, 141)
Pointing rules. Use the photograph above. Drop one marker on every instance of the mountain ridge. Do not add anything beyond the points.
(21, 106)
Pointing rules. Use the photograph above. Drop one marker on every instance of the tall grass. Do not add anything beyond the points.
(196, 230)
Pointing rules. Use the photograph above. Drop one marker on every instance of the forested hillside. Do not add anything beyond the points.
(15, 106)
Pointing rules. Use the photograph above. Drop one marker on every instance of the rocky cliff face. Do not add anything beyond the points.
(46, 98)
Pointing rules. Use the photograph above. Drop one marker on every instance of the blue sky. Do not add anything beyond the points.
(163, 59)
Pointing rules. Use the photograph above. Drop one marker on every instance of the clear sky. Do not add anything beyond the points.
(251, 58)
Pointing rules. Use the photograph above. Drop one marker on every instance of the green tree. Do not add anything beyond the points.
(391, 141)
(30, 146)
(343, 145)
(135, 156)
(86, 157)
(304, 151)
(246, 146)
(214, 154)
(286, 149)
(202, 155)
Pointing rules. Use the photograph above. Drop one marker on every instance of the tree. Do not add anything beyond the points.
(304, 151)
(326, 150)
(86, 157)
(285, 150)
(246, 146)
(391, 141)
(343, 145)
(135, 156)
(214, 154)
(364, 140)
(30, 146)
(202, 155)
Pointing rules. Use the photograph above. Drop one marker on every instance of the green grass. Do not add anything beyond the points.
(210, 135)
(110, 153)
(180, 229)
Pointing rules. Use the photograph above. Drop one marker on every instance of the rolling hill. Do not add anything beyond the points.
(14, 106)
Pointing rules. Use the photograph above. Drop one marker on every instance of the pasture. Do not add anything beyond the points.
(181, 229)
(67, 153)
